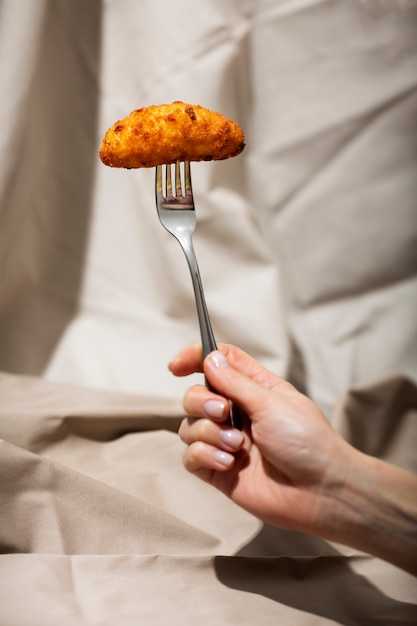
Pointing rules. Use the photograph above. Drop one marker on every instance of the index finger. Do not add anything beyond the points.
(188, 361)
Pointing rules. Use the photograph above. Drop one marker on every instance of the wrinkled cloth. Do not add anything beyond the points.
(101, 524)
(307, 242)
(307, 246)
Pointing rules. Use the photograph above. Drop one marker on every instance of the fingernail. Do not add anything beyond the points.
(231, 437)
(223, 457)
(214, 408)
(218, 359)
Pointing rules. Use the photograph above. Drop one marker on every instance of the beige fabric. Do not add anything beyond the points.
(100, 524)
(306, 242)
(307, 245)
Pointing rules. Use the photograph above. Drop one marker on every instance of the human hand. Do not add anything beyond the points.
(288, 467)
(288, 460)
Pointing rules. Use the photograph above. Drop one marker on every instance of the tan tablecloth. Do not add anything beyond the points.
(100, 523)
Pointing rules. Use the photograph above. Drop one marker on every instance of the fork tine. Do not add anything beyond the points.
(168, 182)
(158, 180)
(178, 186)
(187, 171)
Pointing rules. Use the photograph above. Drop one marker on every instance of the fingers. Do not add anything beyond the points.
(204, 430)
(200, 402)
(235, 376)
(211, 442)
(253, 398)
(189, 361)
(210, 446)
(201, 456)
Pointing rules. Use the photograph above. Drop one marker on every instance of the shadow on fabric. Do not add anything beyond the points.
(46, 200)
(321, 584)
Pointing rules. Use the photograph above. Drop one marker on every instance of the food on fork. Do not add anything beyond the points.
(167, 133)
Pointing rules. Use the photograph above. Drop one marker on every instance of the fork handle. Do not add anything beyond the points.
(206, 331)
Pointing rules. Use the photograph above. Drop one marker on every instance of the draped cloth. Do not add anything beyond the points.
(307, 245)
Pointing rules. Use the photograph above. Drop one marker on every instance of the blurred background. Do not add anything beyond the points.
(307, 242)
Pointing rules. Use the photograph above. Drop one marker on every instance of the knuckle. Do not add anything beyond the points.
(185, 430)
(193, 455)
(192, 398)
(204, 428)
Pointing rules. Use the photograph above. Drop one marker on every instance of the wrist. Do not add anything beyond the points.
(374, 509)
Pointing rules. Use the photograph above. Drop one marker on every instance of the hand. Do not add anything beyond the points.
(288, 456)
(289, 467)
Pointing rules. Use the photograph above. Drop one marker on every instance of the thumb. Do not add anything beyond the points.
(234, 385)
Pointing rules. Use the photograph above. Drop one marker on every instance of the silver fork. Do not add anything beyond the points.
(176, 212)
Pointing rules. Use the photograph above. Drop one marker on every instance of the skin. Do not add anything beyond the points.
(289, 467)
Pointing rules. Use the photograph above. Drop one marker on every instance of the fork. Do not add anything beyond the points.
(176, 212)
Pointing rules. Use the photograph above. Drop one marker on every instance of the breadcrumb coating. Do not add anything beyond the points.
(167, 133)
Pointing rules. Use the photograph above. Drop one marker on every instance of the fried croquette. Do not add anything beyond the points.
(167, 133)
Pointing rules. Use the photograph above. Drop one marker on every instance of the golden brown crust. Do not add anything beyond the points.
(167, 133)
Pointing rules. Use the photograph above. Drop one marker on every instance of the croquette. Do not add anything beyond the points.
(167, 133)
